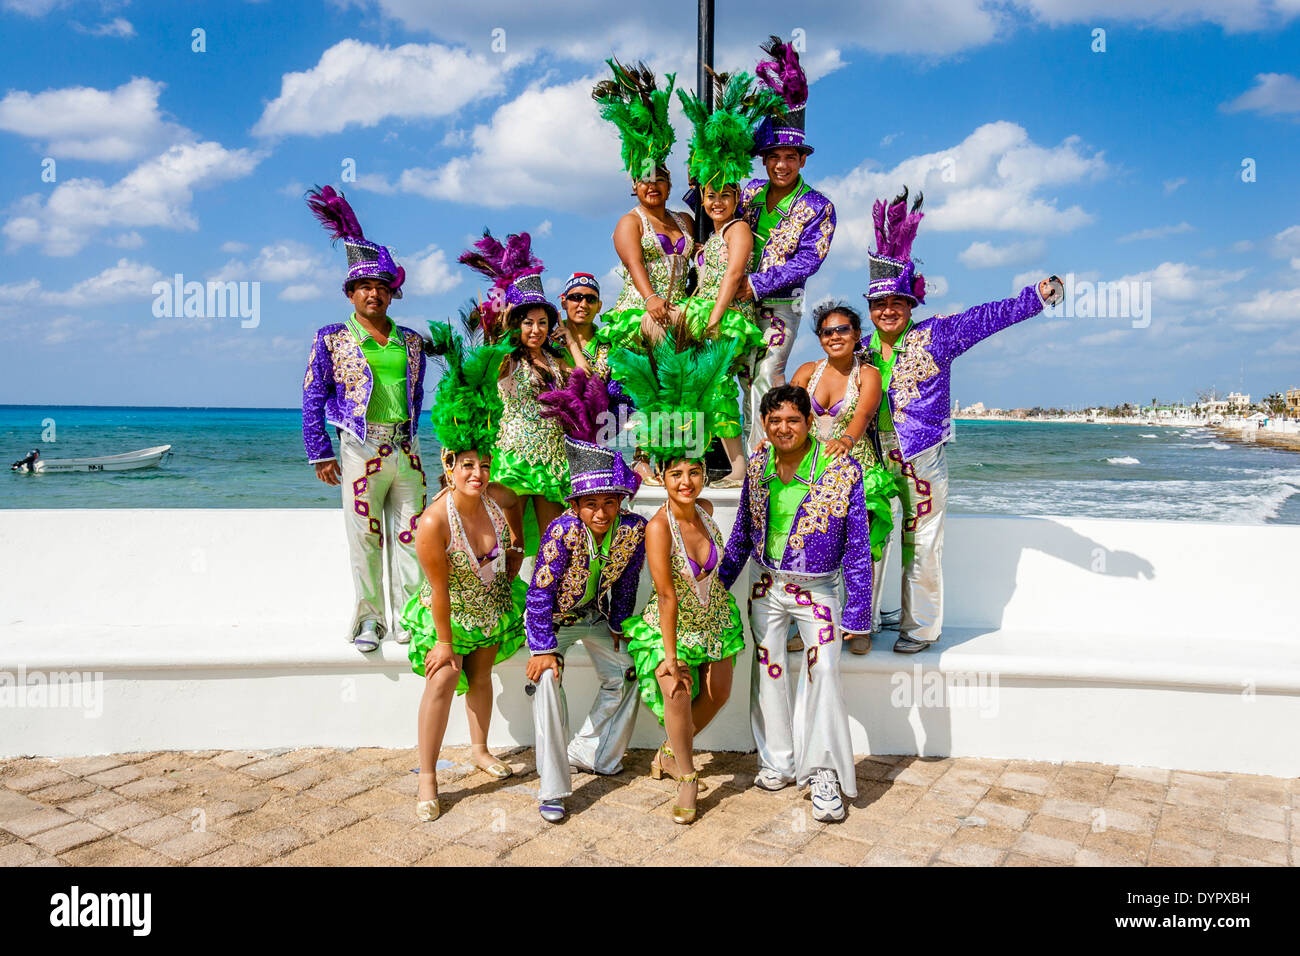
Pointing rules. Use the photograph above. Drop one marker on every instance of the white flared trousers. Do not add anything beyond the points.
(605, 734)
(383, 497)
(924, 480)
(808, 730)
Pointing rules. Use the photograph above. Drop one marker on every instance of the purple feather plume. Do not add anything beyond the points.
(895, 226)
(783, 74)
(334, 213)
(580, 406)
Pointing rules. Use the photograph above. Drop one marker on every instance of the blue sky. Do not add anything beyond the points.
(1036, 154)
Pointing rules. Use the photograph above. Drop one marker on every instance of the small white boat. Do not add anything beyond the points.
(127, 461)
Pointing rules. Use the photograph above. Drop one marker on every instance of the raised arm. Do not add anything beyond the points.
(979, 322)
(795, 272)
(868, 403)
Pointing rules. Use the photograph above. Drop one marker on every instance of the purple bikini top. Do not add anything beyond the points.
(709, 565)
(833, 410)
(491, 555)
(669, 248)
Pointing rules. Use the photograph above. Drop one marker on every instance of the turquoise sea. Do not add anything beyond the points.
(254, 458)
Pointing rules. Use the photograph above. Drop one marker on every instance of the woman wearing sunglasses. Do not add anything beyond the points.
(845, 393)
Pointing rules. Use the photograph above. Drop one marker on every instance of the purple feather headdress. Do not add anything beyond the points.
(515, 273)
(582, 408)
(892, 270)
(366, 259)
(783, 74)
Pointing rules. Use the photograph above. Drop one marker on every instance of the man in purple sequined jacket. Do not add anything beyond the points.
(914, 360)
(793, 225)
(365, 376)
(801, 517)
(583, 589)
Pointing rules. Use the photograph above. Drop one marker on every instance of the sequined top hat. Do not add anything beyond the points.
(594, 470)
(366, 259)
(783, 75)
(892, 270)
(516, 276)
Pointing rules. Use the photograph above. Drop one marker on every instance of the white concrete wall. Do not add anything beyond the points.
(1156, 643)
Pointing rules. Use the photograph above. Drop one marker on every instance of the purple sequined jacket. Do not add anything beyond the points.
(919, 401)
(337, 387)
(830, 532)
(560, 578)
(795, 248)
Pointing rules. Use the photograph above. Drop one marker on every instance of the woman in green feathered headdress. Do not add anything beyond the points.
(684, 641)
(653, 242)
(720, 160)
(468, 613)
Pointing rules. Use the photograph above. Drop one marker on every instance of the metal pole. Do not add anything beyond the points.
(704, 86)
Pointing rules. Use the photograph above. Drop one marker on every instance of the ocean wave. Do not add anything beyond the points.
(1148, 436)
(1124, 460)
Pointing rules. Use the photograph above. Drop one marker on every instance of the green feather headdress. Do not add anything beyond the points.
(723, 143)
(634, 104)
(466, 412)
(675, 394)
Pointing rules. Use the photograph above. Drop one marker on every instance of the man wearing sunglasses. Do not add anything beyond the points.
(580, 302)
(914, 360)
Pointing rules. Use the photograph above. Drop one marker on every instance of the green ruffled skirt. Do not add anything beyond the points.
(508, 632)
(646, 645)
(621, 330)
(878, 487)
(530, 477)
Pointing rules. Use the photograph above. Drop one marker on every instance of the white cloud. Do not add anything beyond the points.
(67, 328)
(375, 183)
(1233, 15)
(126, 240)
(1274, 94)
(1269, 307)
(428, 272)
(286, 261)
(1243, 245)
(984, 255)
(542, 229)
(1180, 282)
(81, 122)
(301, 293)
(889, 138)
(994, 179)
(32, 8)
(233, 247)
(125, 280)
(118, 27)
(548, 146)
(1171, 185)
(1157, 232)
(361, 84)
(158, 192)
(1287, 243)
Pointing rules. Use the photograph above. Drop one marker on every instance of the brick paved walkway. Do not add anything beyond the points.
(322, 806)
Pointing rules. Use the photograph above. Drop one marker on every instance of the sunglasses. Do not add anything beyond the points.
(581, 297)
(835, 330)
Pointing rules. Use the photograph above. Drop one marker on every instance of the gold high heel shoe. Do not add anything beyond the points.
(426, 811)
(686, 814)
(657, 771)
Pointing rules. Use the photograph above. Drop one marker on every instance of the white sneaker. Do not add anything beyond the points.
(771, 780)
(827, 803)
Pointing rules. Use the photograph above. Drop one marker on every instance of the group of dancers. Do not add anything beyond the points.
(549, 425)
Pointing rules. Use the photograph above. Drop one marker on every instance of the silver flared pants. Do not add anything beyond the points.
(605, 734)
(779, 320)
(383, 497)
(925, 500)
(808, 731)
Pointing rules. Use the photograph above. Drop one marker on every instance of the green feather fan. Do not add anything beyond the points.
(466, 412)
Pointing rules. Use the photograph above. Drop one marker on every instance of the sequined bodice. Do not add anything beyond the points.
(667, 272)
(703, 611)
(523, 431)
(834, 426)
(480, 594)
(712, 262)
